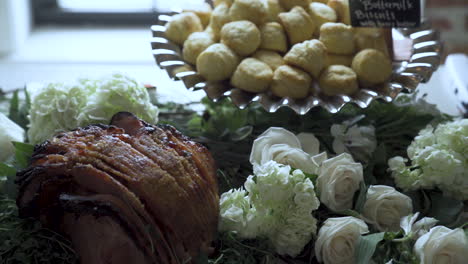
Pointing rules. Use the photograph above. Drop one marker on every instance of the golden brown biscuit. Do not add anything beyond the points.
(338, 79)
(218, 2)
(210, 31)
(243, 37)
(274, 8)
(338, 38)
(252, 10)
(371, 38)
(297, 24)
(273, 59)
(203, 12)
(341, 8)
(252, 75)
(273, 37)
(219, 17)
(217, 62)
(290, 82)
(195, 44)
(372, 67)
(309, 55)
(181, 26)
(335, 59)
(321, 13)
(320, 1)
(289, 4)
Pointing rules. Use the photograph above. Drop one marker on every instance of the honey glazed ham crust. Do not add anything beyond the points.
(125, 193)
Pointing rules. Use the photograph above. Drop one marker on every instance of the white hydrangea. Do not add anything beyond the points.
(60, 107)
(278, 205)
(439, 158)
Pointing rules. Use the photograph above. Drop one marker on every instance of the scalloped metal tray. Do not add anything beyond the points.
(421, 49)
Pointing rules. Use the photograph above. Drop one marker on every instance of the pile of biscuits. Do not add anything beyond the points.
(282, 46)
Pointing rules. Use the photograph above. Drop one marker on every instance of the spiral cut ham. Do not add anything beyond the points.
(125, 193)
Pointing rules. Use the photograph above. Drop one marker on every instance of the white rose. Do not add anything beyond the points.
(385, 206)
(442, 245)
(338, 180)
(419, 228)
(359, 141)
(282, 146)
(337, 239)
(9, 131)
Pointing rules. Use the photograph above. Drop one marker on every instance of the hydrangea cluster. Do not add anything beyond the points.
(277, 204)
(58, 107)
(438, 159)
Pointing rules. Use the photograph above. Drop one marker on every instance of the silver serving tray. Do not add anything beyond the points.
(422, 53)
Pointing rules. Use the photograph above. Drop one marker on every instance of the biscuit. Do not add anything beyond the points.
(290, 82)
(219, 17)
(371, 38)
(195, 44)
(335, 59)
(338, 79)
(217, 62)
(252, 75)
(273, 59)
(203, 12)
(289, 4)
(243, 37)
(338, 38)
(273, 37)
(309, 55)
(297, 24)
(181, 26)
(341, 8)
(273, 9)
(372, 67)
(321, 13)
(252, 10)
(218, 2)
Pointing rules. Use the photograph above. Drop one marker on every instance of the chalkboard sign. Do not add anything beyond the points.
(385, 13)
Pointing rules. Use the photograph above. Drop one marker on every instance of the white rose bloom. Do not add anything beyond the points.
(9, 131)
(419, 228)
(282, 146)
(385, 206)
(337, 240)
(359, 141)
(338, 180)
(442, 245)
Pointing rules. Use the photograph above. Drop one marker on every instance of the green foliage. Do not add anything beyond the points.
(24, 241)
(19, 109)
(230, 250)
(366, 247)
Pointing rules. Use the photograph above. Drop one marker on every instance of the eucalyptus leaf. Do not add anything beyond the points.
(366, 247)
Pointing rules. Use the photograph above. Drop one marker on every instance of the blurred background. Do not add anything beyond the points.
(61, 40)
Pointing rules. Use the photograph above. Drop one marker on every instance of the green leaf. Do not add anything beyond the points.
(366, 247)
(23, 154)
(361, 199)
(7, 170)
(350, 212)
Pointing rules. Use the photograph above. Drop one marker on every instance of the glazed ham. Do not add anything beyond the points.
(125, 193)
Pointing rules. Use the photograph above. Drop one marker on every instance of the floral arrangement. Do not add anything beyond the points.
(386, 184)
